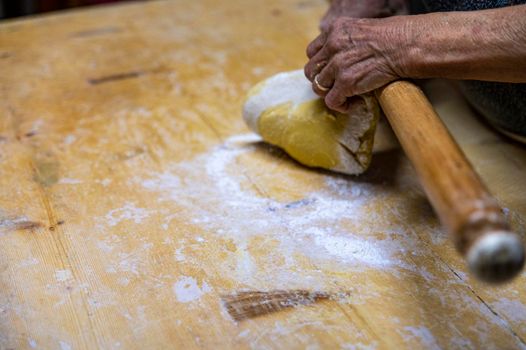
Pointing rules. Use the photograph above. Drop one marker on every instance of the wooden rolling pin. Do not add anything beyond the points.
(465, 207)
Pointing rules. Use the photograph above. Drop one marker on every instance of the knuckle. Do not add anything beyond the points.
(351, 92)
(337, 41)
(309, 50)
(309, 71)
(306, 71)
(331, 101)
(338, 62)
(312, 45)
(338, 22)
(341, 23)
(333, 44)
(348, 78)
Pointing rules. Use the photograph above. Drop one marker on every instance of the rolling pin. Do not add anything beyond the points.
(462, 202)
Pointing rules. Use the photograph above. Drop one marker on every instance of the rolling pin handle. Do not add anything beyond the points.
(496, 256)
(462, 202)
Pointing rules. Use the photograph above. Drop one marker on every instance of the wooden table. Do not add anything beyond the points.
(133, 196)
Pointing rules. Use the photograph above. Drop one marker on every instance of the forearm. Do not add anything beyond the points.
(478, 45)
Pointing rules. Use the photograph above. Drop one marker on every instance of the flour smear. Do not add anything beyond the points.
(187, 289)
(211, 189)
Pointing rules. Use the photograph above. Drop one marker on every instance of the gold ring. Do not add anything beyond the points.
(320, 87)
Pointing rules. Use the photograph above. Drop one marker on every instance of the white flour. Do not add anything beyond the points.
(211, 191)
(63, 275)
(187, 289)
(128, 212)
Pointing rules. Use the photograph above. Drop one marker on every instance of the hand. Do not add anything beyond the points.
(363, 9)
(356, 56)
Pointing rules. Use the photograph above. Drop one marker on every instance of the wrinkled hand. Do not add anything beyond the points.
(363, 9)
(356, 56)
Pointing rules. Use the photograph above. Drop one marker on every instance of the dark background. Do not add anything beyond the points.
(16, 8)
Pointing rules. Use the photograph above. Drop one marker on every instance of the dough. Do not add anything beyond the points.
(286, 113)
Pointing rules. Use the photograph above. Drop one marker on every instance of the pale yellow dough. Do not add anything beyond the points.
(300, 123)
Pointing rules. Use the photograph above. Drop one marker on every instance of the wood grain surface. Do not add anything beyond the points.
(133, 198)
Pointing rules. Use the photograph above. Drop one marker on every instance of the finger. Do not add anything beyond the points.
(325, 24)
(336, 99)
(324, 79)
(366, 76)
(316, 64)
(316, 44)
(372, 81)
